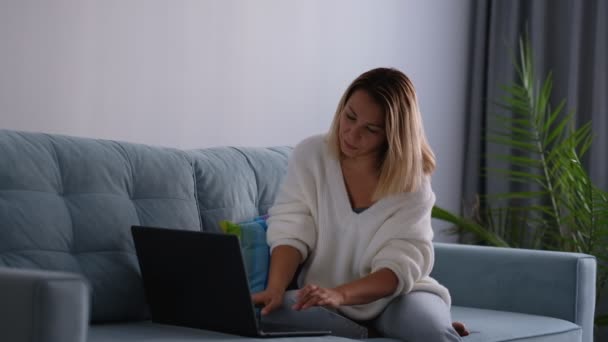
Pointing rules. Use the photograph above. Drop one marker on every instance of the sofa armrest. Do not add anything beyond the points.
(555, 284)
(40, 306)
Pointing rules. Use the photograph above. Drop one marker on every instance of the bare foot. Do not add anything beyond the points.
(460, 328)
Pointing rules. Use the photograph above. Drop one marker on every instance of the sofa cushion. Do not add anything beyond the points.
(68, 203)
(490, 325)
(148, 331)
(237, 184)
(486, 326)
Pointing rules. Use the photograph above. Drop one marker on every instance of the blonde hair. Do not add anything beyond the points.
(407, 158)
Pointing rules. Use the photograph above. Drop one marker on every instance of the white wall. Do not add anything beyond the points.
(205, 73)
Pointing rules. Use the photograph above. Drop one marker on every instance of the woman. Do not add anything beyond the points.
(355, 211)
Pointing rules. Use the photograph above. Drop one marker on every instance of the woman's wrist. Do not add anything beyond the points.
(275, 289)
(342, 293)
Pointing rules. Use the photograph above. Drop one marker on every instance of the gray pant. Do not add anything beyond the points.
(416, 316)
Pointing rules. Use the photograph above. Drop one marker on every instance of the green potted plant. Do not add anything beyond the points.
(558, 207)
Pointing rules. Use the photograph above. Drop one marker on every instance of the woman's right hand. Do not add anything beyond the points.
(269, 299)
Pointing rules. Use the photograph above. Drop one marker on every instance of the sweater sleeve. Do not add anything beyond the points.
(291, 222)
(405, 241)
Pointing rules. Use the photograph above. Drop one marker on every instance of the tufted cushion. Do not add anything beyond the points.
(67, 204)
(237, 184)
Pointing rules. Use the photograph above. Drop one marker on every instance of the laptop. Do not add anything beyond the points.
(198, 280)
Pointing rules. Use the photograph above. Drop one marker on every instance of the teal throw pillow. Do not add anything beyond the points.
(256, 254)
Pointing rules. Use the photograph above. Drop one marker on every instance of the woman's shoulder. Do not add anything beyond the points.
(423, 194)
(310, 147)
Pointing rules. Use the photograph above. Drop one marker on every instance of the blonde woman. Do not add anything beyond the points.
(355, 211)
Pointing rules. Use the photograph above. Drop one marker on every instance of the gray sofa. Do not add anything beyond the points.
(68, 271)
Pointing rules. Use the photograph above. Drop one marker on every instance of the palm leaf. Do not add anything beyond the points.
(468, 225)
(519, 161)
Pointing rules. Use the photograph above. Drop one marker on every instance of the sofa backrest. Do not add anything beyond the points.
(237, 184)
(68, 203)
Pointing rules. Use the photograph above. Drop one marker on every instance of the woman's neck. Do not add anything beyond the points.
(361, 176)
(367, 164)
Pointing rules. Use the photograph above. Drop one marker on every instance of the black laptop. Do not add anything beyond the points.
(198, 280)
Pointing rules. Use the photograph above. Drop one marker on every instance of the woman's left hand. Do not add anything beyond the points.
(313, 295)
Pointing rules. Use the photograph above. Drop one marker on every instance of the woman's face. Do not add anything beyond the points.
(362, 128)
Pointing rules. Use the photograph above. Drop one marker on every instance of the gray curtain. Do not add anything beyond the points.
(568, 37)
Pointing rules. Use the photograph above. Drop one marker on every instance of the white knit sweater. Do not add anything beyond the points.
(312, 213)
